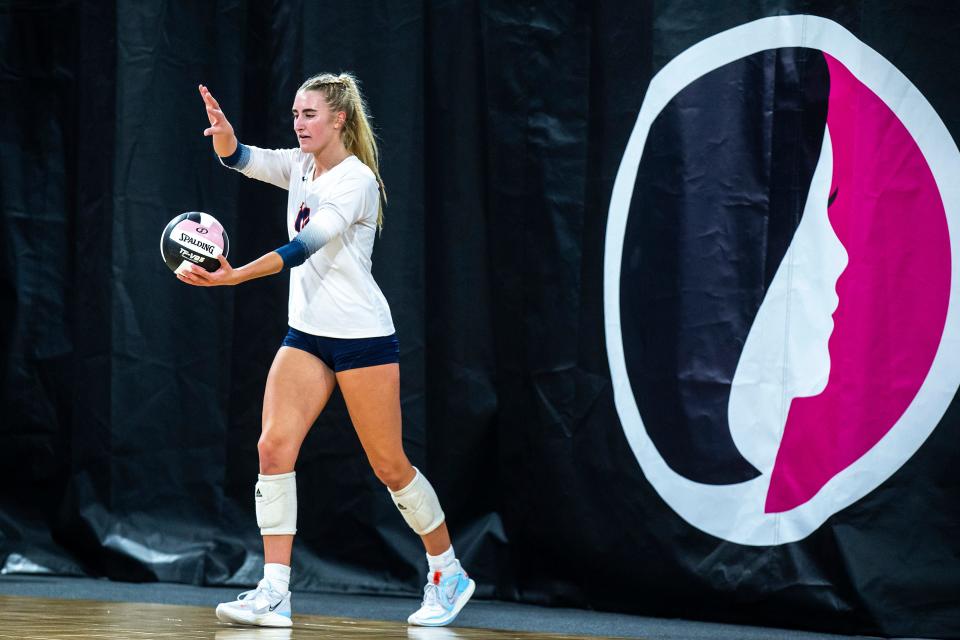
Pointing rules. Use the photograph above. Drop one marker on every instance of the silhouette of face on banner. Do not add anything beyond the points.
(778, 276)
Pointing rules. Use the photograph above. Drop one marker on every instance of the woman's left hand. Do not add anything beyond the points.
(200, 277)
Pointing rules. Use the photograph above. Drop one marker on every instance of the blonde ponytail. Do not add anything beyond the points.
(342, 93)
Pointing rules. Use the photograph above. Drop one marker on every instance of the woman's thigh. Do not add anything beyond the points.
(372, 396)
(298, 387)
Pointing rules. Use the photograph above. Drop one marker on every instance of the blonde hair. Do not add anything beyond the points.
(342, 93)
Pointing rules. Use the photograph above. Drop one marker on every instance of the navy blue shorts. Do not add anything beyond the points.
(341, 354)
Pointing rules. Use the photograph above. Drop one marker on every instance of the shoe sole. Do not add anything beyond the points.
(270, 619)
(461, 603)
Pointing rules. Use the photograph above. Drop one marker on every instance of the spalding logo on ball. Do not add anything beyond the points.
(194, 238)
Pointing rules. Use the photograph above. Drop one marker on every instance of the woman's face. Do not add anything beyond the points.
(313, 122)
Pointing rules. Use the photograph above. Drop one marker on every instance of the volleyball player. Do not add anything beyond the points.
(340, 333)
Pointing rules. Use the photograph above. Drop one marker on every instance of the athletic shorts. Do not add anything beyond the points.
(341, 354)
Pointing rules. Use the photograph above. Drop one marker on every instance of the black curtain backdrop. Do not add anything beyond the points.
(131, 403)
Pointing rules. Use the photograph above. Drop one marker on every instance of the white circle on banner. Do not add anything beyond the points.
(736, 512)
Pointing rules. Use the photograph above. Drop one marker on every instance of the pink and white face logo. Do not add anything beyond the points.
(854, 353)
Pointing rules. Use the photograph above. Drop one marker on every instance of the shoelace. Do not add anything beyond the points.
(253, 593)
(431, 595)
(249, 595)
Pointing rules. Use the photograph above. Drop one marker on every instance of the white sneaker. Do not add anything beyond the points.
(263, 606)
(443, 598)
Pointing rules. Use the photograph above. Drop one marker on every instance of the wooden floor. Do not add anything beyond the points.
(41, 619)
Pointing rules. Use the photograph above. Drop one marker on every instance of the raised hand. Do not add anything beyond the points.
(224, 140)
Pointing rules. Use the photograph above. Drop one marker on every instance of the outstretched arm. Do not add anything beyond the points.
(265, 265)
(268, 165)
(332, 218)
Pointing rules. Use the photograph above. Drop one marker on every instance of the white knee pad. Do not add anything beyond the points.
(418, 504)
(276, 500)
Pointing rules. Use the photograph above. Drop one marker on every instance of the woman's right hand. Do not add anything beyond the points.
(224, 140)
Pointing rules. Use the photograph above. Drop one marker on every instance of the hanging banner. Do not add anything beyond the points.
(786, 211)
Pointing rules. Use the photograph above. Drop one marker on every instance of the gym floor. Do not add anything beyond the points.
(86, 609)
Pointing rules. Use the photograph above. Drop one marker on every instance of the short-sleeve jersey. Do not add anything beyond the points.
(333, 293)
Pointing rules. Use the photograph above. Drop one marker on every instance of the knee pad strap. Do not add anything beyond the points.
(276, 500)
(418, 504)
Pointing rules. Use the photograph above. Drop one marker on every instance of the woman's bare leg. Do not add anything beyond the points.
(372, 395)
(298, 388)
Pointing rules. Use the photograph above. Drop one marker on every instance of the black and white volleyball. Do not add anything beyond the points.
(194, 238)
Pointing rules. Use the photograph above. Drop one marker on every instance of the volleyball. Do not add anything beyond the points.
(194, 238)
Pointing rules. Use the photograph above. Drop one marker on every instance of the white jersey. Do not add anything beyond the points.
(333, 293)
